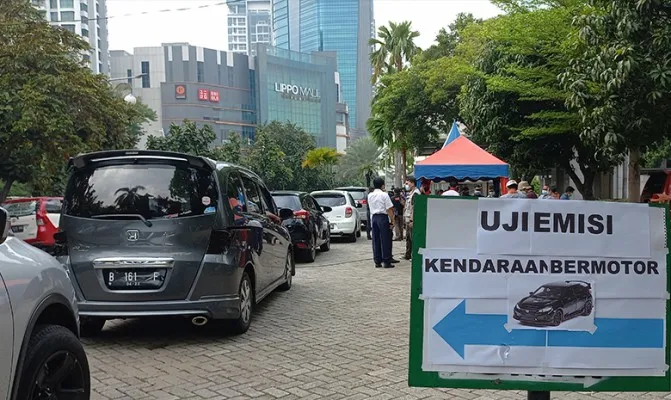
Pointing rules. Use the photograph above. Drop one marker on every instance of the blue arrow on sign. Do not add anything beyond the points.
(459, 329)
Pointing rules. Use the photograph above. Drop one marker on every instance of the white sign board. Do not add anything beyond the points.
(561, 228)
(575, 289)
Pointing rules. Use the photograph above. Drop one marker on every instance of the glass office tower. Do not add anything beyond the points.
(342, 26)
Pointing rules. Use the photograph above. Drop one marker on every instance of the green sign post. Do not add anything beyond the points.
(448, 352)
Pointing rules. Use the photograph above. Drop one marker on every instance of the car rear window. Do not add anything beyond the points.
(358, 194)
(330, 200)
(21, 209)
(291, 202)
(150, 190)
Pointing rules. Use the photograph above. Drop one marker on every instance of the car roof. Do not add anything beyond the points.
(340, 192)
(566, 284)
(27, 199)
(348, 188)
(82, 160)
(287, 193)
(226, 165)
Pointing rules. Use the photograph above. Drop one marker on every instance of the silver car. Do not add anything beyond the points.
(40, 353)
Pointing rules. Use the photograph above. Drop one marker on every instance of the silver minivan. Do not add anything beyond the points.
(152, 233)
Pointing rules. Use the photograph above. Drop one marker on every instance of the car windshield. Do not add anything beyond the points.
(548, 292)
(21, 209)
(330, 200)
(291, 202)
(150, 191)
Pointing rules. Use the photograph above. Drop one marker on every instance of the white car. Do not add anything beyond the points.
(344, 218)
(40, 353)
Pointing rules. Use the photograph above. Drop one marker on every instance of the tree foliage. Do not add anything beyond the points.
(393, 48)
(448, 39)
(186, 138)
(620, 78)
(362, 160)
(51, 105)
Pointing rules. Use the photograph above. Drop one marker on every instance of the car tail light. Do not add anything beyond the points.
(348, 212)
(219, 242)
(301, 214)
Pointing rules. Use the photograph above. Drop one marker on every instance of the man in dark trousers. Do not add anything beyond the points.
(368, 225)
(382, 221)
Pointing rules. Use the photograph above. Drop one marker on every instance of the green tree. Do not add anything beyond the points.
(448, 39)
(620, 79)
(268, 160)
(51, 105)
(231, 151)
(393, 49)
(321, 157)
(186, 138)
(362, 160)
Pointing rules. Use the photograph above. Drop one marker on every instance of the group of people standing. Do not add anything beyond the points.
(391, 215)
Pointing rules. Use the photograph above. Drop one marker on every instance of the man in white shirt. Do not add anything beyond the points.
(452, 191)
(382, 220)
(512, 191)
(408, 214)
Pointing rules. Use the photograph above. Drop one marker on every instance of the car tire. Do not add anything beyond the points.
(358, 233)
(241, 324)
(91, 326)
(587, 310)
(352, 237)
(557, 318)
(289, 272)
(327, 244)
(55, 365)
(310, 255)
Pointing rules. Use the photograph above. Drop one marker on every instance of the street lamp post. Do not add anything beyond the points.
(130, 99)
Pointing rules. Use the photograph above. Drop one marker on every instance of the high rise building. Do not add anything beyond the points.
(344, 27)
(88, 18)
(249, 22)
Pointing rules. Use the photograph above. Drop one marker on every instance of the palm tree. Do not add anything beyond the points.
(394, 48)
(128, 197)
(363, 159)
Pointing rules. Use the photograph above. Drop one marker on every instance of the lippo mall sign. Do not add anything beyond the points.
(296, 92)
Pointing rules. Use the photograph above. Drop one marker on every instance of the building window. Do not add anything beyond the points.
(53, 3)
(67, 4)
(100, 68)
(84, 7)
(84, 20)
(85, 32)
(231, 77)
(54, 16)
(145, 74)
(68, 16)
(129, 74)
(70, 28)
(200, 66)
(87, 58)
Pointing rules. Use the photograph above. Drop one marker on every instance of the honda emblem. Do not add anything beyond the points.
(133, 235)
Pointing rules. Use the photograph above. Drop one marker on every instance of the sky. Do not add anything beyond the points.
(141, 23)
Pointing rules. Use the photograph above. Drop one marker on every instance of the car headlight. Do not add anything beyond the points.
(546, 309)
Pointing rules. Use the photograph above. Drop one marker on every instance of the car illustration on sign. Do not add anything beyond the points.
(556, 302)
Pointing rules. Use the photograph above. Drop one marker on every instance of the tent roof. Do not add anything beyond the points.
(461, 159)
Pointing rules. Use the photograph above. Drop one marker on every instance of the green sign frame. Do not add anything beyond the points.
(419, 378)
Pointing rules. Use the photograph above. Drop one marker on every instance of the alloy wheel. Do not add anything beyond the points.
(61, 376)
(245, 300)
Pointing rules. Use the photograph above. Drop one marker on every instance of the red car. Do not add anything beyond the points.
(35, 219)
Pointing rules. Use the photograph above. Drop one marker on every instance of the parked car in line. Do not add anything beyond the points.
(360, 195)
(553, 303)
(40, 353)
(309, 227)
(153, 233)
(35, 219)
(344, 219)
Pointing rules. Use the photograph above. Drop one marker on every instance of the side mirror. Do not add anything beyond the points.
(4, 225)
(286, 213)
(326, 209)
(359, 205)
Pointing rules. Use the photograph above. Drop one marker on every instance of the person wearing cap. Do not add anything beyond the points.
(526, 189)
(512, 191)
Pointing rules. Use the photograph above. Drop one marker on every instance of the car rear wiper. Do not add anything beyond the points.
(123, 216)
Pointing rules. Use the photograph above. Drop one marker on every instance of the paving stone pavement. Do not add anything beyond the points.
(341, 332)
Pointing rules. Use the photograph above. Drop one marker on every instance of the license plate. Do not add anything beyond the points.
(18, 228)
(134, 279)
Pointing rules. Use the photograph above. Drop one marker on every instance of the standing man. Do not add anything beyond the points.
(512, 191)
(398, 201)
(411, 189)
(382, 222)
